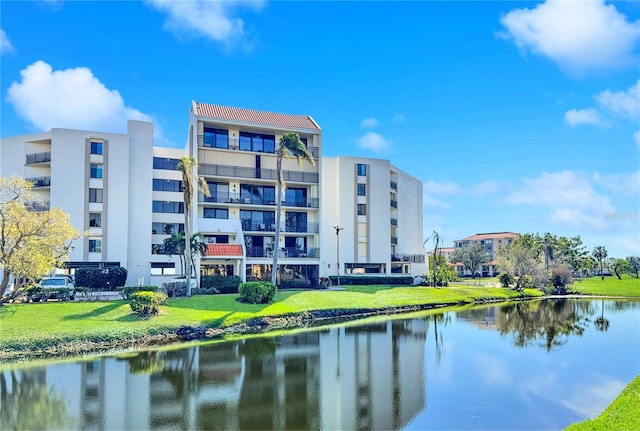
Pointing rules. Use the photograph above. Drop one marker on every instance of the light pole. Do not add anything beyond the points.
(338, 229)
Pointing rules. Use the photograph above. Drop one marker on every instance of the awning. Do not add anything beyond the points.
(223, 250)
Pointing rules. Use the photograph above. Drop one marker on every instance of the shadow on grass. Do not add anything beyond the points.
(223, 302)
(94, 313)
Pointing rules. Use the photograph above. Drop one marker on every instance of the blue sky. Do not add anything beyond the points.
(517, 116)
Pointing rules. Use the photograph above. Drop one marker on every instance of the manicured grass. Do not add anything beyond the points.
(610, 286)
(622, 414)
(37, 326)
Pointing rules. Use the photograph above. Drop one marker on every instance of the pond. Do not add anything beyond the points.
(527, 365)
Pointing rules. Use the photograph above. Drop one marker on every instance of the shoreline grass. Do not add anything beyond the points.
(622, 414)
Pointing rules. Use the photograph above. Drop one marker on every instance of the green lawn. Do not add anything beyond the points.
(610, 286)
(39, 325)
(622, 414)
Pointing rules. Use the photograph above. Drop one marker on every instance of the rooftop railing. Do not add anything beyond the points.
(234, 144)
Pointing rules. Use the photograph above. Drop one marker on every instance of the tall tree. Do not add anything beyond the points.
(472, 256)
(197, 247)
(190, 180)
(520, 260)
(618, 266)
(289, 146)
(634, 264)
(175, 245)
(32, 243)
(600, 254)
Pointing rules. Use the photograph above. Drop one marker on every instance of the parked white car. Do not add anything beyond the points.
(48, 284)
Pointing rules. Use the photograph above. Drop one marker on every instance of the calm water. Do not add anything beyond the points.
(534, 365)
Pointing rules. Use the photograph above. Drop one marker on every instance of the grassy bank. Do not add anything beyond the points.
(622, 414)
(40, 326)
(629, 286)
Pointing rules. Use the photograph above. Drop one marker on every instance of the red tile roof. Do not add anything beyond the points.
(285, 121)
(492, 235)
(224, 250)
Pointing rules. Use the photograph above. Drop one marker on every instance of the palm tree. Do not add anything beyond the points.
(175, 245)
(289, 146)
(600, 254)
(190, 180)
(197, 247)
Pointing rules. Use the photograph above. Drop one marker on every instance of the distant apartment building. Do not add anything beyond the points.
(126, 194)
(491, 242)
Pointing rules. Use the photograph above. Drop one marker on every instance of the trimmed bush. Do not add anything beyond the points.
(219, 284)
(103, 279)
(506, 280)
(257, 292)
(360, 280)
(146, 304)
(127, 291)
(175, 288)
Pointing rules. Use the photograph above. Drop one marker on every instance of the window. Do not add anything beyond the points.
(164, 163)
(361, 169)
(168, 207)
(95, 171)
(218, 192)
(257, 142)
(215, 138)
(166, 228)
(163, 268)
(95, 220)
(362, 189)
(95, 245)
(96, 147)
(295, 197)
(218, 213)
(216, 239)
(95, 195)
(160, 185)
(258, 195)
(362, 209)
(258, 220)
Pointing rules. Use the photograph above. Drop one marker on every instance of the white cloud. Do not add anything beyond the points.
(71, 98)
(577, 117)
(622, 103)
(369, 122)
(398, 118)
(374, 142)
(445, 188)
(212, 19)
(570, 199)
(578, 35)
(485, 188)
(5, 44)
(628, 184)
(431, 202)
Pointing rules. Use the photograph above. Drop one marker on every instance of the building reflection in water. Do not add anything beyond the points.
(356, 377)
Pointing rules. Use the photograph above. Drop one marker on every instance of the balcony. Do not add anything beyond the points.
(233, 144)
(230, 171)
(38, 206)
(251, 226)
(394, 240)
(394, 222)
(394, 185)
(394, 203)
(412, 258)
(39, 182)
(228, 198)
(284, 252)
(38, 158)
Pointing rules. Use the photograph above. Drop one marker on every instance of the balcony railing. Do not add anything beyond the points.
(394, 185)
(251, 226)
(36, 158)
(38, 205)
(413, 258)
(39, 181)
(284, 252)
(394, 203)
(394, 222)
(394, 240)
(228, 198)
(212, 170)
(234, 144)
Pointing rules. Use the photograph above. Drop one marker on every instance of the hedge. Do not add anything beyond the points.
(257, 292)
(219, 284)
(101, 278)
(146, 304)
(127, 291)
(359, 280)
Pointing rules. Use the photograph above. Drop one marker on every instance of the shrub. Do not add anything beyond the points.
(257, 292)
(506, 280)
(101, 278)
(219, 284)
(175, 288)
(146, 304)
(561, 277)
(127, 291)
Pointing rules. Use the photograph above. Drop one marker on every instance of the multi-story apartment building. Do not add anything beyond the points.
(372, 218)
(491, 242)
(127, 195)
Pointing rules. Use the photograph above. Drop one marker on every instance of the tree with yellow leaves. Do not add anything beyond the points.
(32, 243)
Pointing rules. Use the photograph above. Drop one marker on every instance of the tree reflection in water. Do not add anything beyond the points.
(550, 321)
(601, 323)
